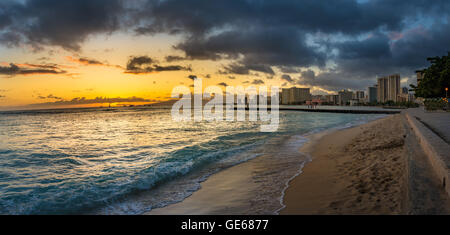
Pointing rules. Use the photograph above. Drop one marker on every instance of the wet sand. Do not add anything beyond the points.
(375, 168)
(252, 187)
(365, 170)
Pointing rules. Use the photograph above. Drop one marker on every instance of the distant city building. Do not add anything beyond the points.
(284, 96)
(318, 97)
(406, 97)
(295, 95)
(336, 99)
(389, 88)
(300, 95)
(332, 99)
(411, 97)
(354, 102)
(360, 96)
(405, 90)
(344, 97)
(420, 75)
(372, 93)
(315, 101)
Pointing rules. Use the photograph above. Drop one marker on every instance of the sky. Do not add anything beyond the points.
(81, 53)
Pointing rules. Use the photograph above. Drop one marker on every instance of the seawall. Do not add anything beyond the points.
(435, 148)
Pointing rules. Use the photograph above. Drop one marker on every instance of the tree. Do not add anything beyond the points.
(436, 78)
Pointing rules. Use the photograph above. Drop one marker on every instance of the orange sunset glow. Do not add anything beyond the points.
(98, 69)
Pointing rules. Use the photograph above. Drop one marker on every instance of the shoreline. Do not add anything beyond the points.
(256, 186)
(368, 169)
(312, 140)
(250, 187)
(322, 189)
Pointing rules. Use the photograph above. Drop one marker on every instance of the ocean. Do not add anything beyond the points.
(129, 160)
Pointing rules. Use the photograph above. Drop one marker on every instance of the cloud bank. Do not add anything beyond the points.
(348, 42)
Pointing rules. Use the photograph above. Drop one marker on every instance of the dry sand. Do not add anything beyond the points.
(252, 187)
(362, 170)
(375, 168)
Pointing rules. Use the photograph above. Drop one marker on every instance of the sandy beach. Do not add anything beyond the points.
(366, 170)
(252, 187)
(374, 168)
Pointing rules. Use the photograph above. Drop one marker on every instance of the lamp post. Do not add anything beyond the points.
(446, 98)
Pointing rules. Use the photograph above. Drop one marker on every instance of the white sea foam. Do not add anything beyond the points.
(108, 162)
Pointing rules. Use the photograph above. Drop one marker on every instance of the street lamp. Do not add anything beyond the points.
(446, 98)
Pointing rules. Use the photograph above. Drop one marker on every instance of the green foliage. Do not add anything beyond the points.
(436, 104)
(436, 78)
(405, 104)
(392, 104)
(408, 104)
(389, 103)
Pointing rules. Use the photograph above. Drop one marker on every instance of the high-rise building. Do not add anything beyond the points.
(295, 95)
(359, 95)
(372, 93)
(344, 97)
(389, 88)
(299, 95)
(284, 96)
(332, 99)
(420, 75)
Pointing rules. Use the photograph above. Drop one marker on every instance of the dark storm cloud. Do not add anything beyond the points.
(255, 21)
(50, 97)
(61, 23)
(198, 17)
(360, 61)
(308, 75)
(172, 58)
(258, 82)
(10, 39)
(4, 19)
(90, 62)
(376, 46)
(244, 69)
(259, 48)
(159, 68)
(137, 62)
(274, 33)
(335, 81)
(289, 69)
(28, 69)
(84, 101)
(360, 38)
(420, 43)
(330, 80)
(145, 64)
(192, 77)
(287, 78)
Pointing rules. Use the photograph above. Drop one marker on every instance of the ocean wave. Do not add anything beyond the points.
(110, 162)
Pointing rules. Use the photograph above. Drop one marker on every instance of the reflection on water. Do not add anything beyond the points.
(73, 161)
